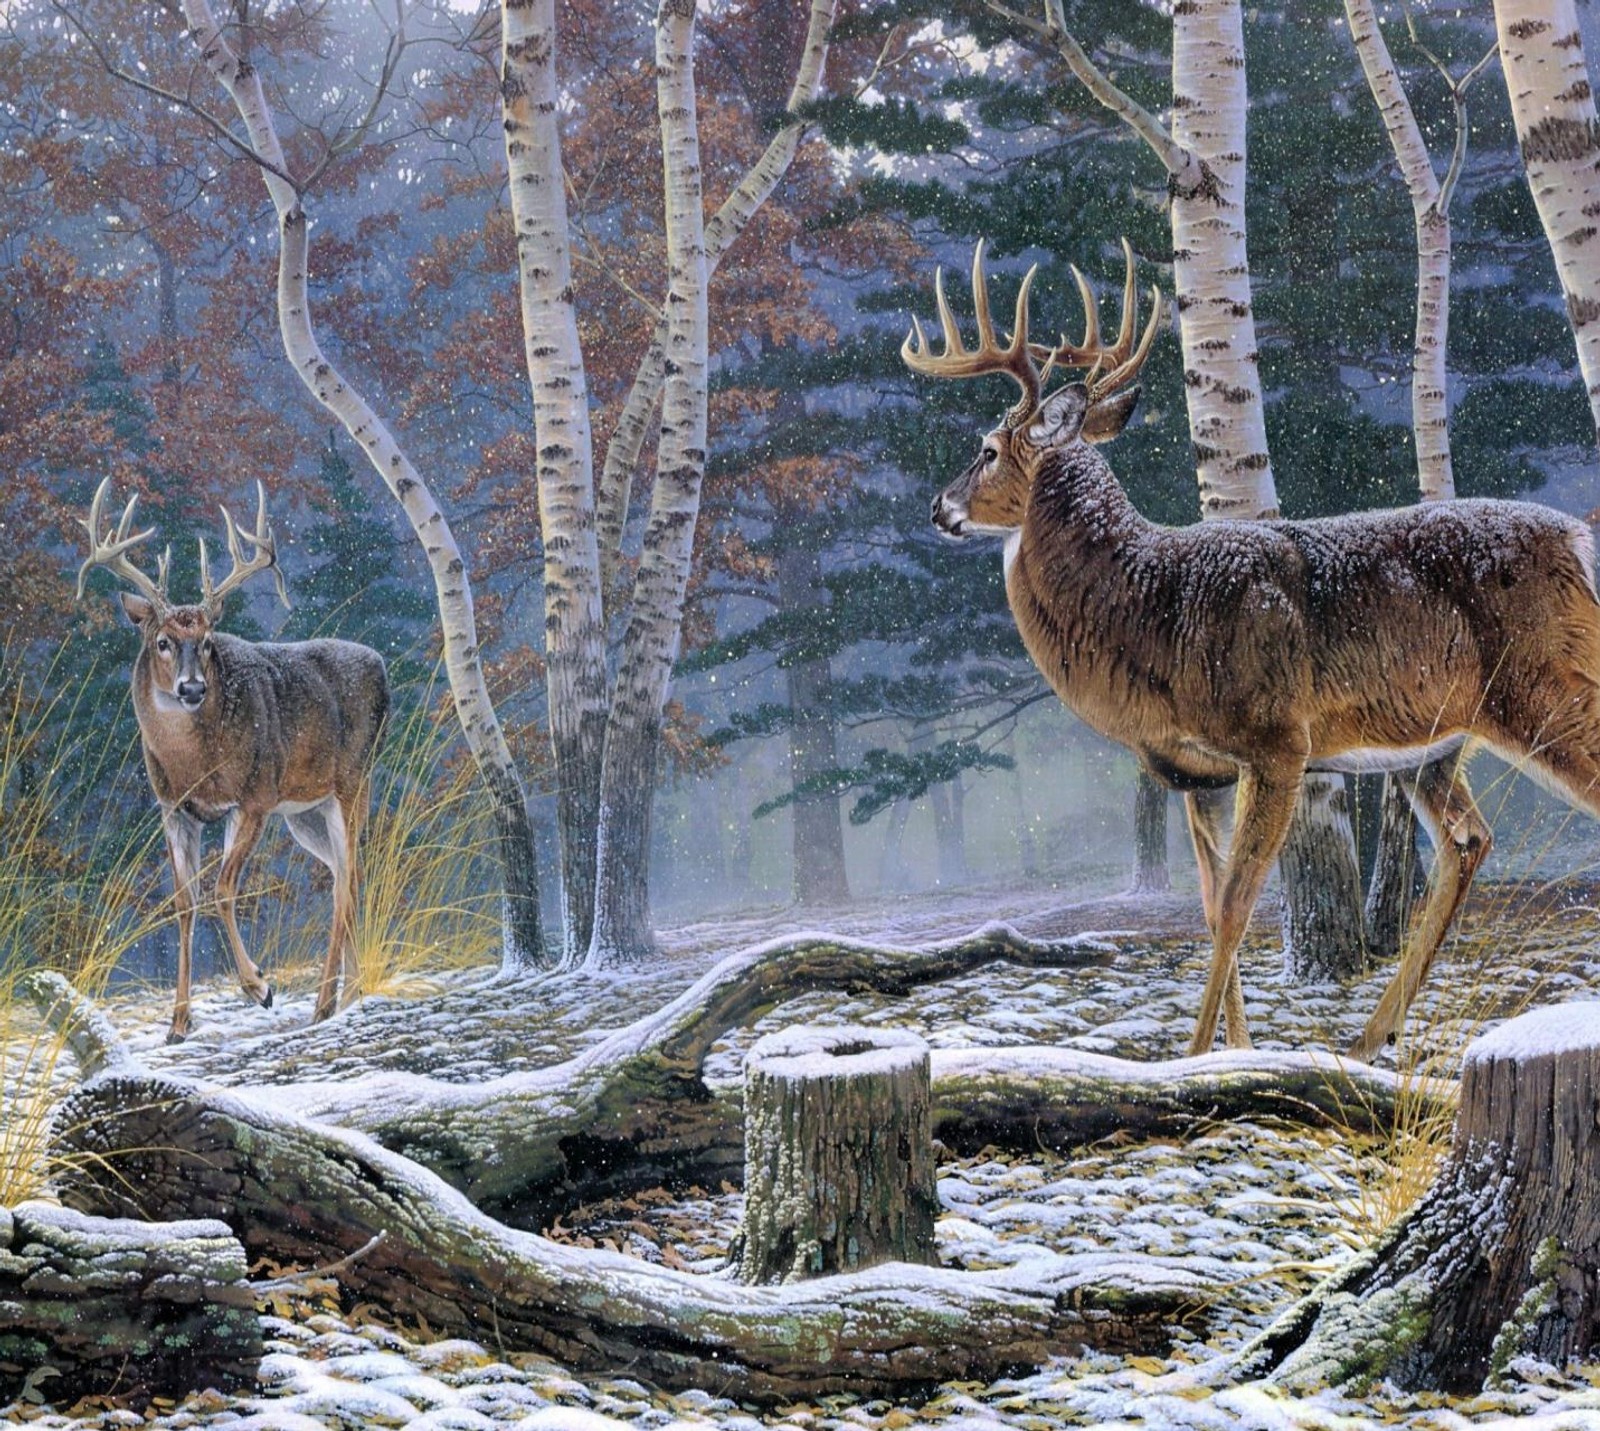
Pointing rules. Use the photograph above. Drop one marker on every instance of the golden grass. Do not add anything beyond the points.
(77, 889)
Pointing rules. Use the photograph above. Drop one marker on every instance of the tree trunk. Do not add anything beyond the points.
(894, 876)
(1322, 934)
(751, 192)
(574, 631)
(1149, 836)
(1541, 52)
(839, 1171)
(622, 928)
(1397, 872)
(950, 830)
(523, 932)
(90, 1306)
(1499, 1259)
(818, 839)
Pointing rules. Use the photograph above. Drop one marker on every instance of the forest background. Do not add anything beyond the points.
(852, 713)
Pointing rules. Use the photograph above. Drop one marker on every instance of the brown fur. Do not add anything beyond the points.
(278, 726)
(1248, 652)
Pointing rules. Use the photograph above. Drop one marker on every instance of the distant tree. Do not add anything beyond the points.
(354, 590)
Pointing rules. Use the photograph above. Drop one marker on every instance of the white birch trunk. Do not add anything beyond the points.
(752, 191)
(1227, 424)
(574, 635)
(1429, 391)
(523, 935)
(650, 646)
(1541, 52)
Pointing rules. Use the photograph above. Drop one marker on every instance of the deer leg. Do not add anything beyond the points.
(1204, 809)
(1461, 839)
(1265, 803)
(183, 848)
(340, 935)
(355, 814)
(241, 837)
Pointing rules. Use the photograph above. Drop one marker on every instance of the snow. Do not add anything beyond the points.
(1543, 1033)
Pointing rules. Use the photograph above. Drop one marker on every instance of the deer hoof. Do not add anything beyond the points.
(177, 1035)
(266, 1002)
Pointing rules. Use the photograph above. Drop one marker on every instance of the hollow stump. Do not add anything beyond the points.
(839, 1170)
(1501, 1256)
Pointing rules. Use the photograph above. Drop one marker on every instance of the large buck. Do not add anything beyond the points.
(1249, 653)
(237, 730)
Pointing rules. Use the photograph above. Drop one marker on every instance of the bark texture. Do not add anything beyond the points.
(1323, 936)
(574, 635)
(748, 195)
(523, 930)
(96, 1306)
(1397, 872)
(299, 1192)
(1150, 874)
(839, 1170)
(1501, 1257)
(622, 926)
(1552, 105)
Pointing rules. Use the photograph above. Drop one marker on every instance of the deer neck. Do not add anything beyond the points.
(1070, 579)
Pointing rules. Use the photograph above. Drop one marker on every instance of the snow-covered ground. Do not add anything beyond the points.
(1280, 1204)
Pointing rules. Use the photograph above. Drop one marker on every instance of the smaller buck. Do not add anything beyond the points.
(237, 730)
(1247, 653)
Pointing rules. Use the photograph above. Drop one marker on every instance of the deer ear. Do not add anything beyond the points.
(138, 609)
(1060, 416)
(1106, 419)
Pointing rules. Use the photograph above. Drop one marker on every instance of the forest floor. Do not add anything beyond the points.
(1282, 1205)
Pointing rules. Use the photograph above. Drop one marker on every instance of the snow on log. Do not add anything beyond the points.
(93, 1305)
(1500, 1258)
(839, 1170)
(298, 1192)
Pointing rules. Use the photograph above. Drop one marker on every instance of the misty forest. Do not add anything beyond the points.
(799, 713)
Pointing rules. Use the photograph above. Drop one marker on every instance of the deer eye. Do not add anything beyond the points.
(205, 646)
(163, 645)
(991, 454)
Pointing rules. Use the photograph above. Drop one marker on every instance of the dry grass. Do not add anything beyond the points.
(77, 890)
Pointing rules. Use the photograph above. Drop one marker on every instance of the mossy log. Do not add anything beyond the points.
(838, 1166)
(94, 1305)
(302, 1193)
(1501, 1256)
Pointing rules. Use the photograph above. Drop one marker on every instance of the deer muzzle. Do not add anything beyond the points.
(950, 516)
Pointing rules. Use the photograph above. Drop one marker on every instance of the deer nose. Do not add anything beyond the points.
(947, 516)
(191, 692)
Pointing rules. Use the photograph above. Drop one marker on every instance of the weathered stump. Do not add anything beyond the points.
(839, 1171)
(1501, 1257)
(114, 1306)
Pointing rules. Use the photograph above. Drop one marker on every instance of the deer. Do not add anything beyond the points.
(1245, 654)
(235, 731)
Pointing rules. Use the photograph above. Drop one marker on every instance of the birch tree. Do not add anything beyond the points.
(1203, 152)
(523, 942)
(1394, 868)
(1552, 104)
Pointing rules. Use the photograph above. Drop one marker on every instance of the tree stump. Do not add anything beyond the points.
(1501, 1257)
(839, 1170)
(92, 1304)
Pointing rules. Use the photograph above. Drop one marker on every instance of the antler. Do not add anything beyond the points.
(958, 361)
(1122, 359)
(112, 552)
(264, 557)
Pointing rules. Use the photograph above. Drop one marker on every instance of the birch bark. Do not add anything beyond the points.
(622, 928)
(753, 190)
(1552, 105)
(574, 635)
(523, 942)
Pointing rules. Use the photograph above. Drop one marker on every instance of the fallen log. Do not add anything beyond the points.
(634, 1111)
(93, 1305)
(299, 1192)
(1500, 1258)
